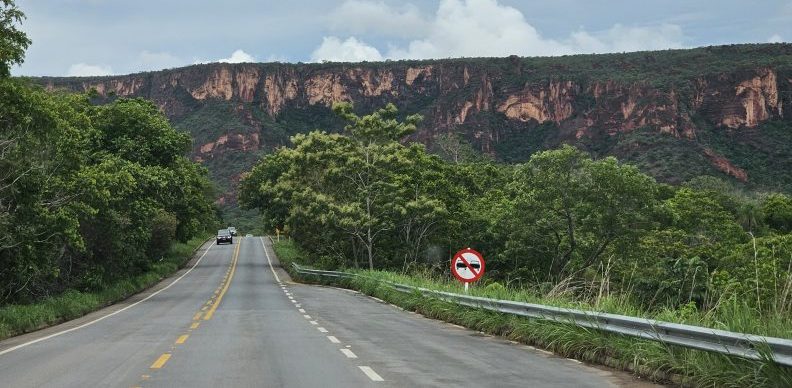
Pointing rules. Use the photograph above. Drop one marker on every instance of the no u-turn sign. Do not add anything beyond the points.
(467, 265)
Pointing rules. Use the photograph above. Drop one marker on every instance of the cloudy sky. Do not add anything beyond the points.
(100, 37)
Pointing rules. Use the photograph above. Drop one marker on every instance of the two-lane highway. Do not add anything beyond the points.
(232, 319)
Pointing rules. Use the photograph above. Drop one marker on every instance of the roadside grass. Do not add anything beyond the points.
(20, 319)
(648, 359)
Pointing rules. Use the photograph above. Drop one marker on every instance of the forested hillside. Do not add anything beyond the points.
(675, 114)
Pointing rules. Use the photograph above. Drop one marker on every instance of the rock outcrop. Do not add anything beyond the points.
(591, 100)
(551, 102)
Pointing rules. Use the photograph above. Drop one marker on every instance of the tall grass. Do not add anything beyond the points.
(19, 319)
(650, 359)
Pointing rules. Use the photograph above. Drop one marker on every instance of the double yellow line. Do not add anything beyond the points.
(219, 299)
(163, 359)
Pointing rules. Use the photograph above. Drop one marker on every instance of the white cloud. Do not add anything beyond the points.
(360, 16)
(86, 70)
(238, 56)
(775, 39)
(351, 50)
(478, 28)
(483, 28)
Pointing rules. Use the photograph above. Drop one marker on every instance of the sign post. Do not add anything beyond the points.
(467, 266)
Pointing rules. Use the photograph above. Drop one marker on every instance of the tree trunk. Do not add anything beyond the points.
(370, 254)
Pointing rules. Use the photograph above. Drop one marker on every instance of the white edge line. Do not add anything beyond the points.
(268, 259)
(370, 373)
(11, 349)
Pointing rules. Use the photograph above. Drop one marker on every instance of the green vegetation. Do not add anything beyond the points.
(92, 198)
(16, 319)
(562, 228)
(13, 42)
(89, 194)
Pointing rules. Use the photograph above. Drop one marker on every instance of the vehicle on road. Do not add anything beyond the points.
(232, 230)
(224, 236)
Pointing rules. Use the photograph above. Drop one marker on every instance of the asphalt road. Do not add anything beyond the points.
(230, 319)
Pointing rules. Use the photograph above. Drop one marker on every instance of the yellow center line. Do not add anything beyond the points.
(182, 339)
(197, 317)
(219, 299)
(195, 325)
(161, 361)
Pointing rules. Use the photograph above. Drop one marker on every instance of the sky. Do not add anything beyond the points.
(104, 37)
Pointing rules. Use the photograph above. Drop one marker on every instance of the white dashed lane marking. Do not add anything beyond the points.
(370, 373)
(348, 353)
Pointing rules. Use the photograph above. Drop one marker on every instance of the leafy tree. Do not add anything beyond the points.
(257, 189)
(13, 42)
(78, 206)
(706, 221)
(364, 185)
(429, 195)
(777, 209)
(578, 208)
(454, 148)
(136, 131)
(42, 139)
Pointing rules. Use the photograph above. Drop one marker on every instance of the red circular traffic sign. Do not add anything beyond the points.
(467, 265)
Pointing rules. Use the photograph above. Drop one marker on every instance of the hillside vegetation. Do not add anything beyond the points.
(675, 114)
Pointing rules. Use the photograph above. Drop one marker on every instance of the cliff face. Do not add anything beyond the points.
(588, 100)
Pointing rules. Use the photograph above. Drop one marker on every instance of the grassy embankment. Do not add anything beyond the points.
(19, 319)
(649, 359)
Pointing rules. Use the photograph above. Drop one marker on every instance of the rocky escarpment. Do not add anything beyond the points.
(588, 100)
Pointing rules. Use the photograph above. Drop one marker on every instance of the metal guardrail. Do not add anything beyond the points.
(748, 346)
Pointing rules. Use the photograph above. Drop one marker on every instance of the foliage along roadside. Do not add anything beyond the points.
(90, 194)
(20, 319)
(648, 359)
(592, 228)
